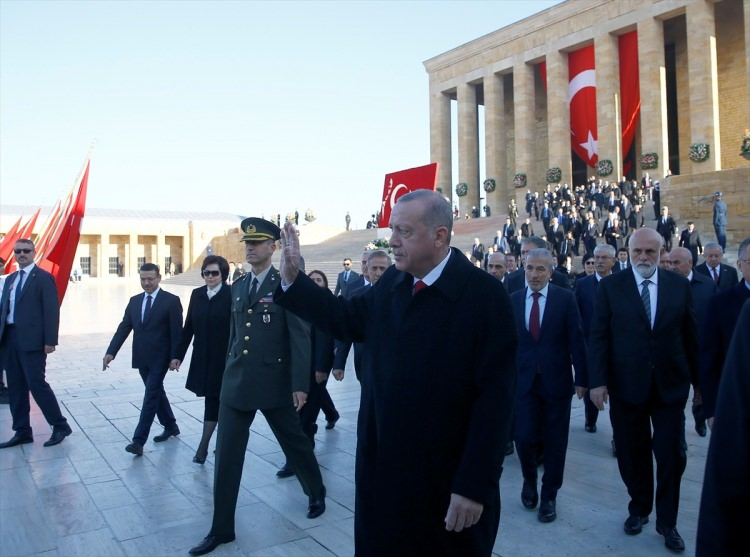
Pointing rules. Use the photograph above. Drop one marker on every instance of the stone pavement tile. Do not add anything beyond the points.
(110, 494)
(25, 530)
(337, 536)
(53, 473)
(97, 542)
(70, 510)
(130, 521)
(288, 499)
(306, 546)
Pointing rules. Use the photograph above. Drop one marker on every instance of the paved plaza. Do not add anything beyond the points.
(88, 497)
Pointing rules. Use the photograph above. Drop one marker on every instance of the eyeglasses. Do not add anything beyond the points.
(589, 262)
(22, 250)
(211, 273)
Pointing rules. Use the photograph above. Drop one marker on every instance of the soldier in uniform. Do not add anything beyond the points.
(267, 369)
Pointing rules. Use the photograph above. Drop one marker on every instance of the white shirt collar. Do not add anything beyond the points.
(430, 278)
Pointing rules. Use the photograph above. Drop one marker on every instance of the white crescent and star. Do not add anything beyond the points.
(394, 192)
(584, 79)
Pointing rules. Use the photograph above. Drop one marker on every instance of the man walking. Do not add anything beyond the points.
(643, 358)
(267, 369)
(155, 317)
(29, 322)
(720, 220)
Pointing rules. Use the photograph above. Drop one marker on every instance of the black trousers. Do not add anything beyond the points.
(26, 373)
(155, 403)
(231, 444)
(635, 441)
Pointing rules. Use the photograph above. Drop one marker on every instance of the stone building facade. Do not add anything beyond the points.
(694, 74)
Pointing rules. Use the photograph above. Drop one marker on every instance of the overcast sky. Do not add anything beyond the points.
(248, 107)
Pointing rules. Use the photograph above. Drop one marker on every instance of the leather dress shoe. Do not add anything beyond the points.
(209, 543)
(529, 495)
(317, 506)
(166, 434)
(330, 424)
(700, 428)
(135, 448)
(59, 433)
(547, 511)
(672, 539)
(634, 524)
(285, 471)
(17, 439)
(590, 427)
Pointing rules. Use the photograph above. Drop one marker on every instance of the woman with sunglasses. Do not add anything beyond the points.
(207, 325)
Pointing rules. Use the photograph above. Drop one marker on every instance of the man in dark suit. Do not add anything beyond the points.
(550, 338)
(267, 369)
(717, 330)
(643, 357)
(477, 251)
(29, 322)
(723, 275)
(585, 292)
(433, 423)
(703, 289)
(722, 521)
(155, 317)
(667, 227)
(517, 279)
(497, 268)
(590, 234)
(691, 239)
(345, 277)
(622, 263)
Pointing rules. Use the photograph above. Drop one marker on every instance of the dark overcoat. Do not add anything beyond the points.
(438, 381)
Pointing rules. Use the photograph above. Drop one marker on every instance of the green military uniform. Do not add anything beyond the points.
(269, 359)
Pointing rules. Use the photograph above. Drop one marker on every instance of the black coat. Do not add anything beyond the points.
(430, 361)
(207, 325)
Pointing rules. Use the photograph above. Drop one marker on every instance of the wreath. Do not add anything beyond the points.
(604, 167)
(519, 180)
(649, 161)
(699, 152)
(309, 215)
(745, 148)
(554, 175)
(489, 185)
(462, 189)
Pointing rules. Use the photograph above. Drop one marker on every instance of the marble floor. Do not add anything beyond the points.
(88, 497)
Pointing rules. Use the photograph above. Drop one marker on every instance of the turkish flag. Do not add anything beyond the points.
(402, 182)
(582, 100)
(59, 256)
(629, 90)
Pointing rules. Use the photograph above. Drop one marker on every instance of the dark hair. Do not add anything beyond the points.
(321, 273)
(587, 257)
(146, 267)
(217, 260)
(622, 250)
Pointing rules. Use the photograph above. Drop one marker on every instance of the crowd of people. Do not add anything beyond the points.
(622, 333)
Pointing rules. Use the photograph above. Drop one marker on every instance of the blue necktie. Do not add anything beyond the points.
(149, 300)
(19, 286)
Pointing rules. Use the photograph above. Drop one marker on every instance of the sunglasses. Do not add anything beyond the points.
(22, 250)
(589, 262)
(211, 273)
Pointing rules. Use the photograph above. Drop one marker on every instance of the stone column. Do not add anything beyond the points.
(161, 250)
(131, 265)
(440, 138)
(704, 84)
(524, 111)
(468, 145)
(102, 256)
(653, 80)
(607, 102)
(558, 115)
(494, 142)
(746, 10)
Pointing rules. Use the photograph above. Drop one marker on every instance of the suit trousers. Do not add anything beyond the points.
(155, 403)
(231, 444)
(632, 428)
(26, 373)
(542, 419)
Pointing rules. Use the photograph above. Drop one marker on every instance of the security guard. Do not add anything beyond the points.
(267, 369)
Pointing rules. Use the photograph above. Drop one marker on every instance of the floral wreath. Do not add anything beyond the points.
(519, 180)
(604, 167)
(462, 189)
(649, 161)
(554, 175)
(489, 185)
(309, 215)
(380, 243)
(699, 152)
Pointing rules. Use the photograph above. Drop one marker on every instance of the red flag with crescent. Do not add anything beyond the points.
(630, 88)
(402, 182)
(582, 100)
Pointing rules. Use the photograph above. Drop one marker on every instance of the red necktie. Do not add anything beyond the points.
(716, 274)
(534, 317)
(419, 285)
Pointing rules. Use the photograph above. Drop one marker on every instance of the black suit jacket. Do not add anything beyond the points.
(703, 289)
(155, 341)
(560, 344)
(716, 334)
(37, 311)
(627, 356)
(727, 275)
(207, 325)
(342, 286)
(458, 402)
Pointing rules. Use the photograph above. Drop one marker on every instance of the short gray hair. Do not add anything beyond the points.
(743, 247)
(437, 210)
(542, 253)
(379, 253)
(606, 247)
(711, 245)
(536, 240)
